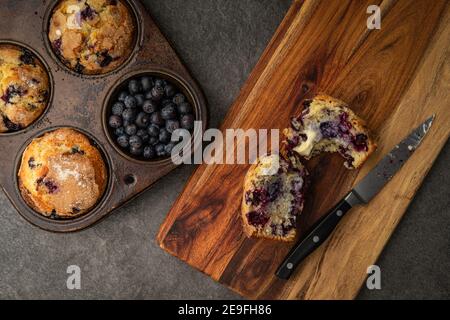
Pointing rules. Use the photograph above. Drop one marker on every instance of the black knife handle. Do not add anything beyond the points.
(319, 234)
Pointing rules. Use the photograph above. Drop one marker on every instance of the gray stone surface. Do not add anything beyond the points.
(220, 41)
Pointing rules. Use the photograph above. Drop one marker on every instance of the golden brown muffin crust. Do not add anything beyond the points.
(92, 36)
(24, 88)
(62, 173)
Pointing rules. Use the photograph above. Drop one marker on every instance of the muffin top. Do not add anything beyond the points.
(62, 174)
(91, 36)
(24, 88)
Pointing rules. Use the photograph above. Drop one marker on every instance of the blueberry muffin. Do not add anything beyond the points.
(273, 198)
(24, 88)
(92, 36)
(62, 174)
(328, 125)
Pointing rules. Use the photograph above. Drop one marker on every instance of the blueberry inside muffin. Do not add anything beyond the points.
(24, 88)
(328, 125)
(62, 175)
(92, 36)
(273, 198)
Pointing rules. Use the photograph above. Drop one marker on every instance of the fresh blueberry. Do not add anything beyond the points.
(168, 148)
(153, 140)
(140, 98)
(164, 136)
(165, 102)
(184, 108)
(115, 121)
(119, 131)
(148, 95)
(149, 106)
(157, 93)
(131, 129)
(143, 120)
(123, 141)
(129, 115)
(136, 151)
(143, 135)
(117, 108)
(169, 90)
(172, 125)
(136, 141)
(169, 112)
(156, 118)
(149, 152)
(153, 130)
(126, 123)
(122, 96)
(134, 87)
(179, 98)
(187, 121)
(160, 150)
(159, 83)
(146, 83)
(130, 102)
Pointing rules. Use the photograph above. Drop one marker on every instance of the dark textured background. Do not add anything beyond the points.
(220, 42)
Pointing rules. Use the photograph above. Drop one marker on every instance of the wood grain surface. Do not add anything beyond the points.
(394, 78)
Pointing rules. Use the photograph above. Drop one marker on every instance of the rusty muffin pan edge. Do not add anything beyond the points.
(79, 102)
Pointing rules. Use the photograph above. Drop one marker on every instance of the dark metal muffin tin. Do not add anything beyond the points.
(82, 102)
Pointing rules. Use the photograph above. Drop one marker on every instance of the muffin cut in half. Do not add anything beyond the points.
(273, 198)
(62, 174)
(328, 125)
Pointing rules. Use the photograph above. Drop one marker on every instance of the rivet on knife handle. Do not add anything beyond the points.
(316, 237)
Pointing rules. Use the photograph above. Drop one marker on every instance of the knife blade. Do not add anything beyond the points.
(362, 193)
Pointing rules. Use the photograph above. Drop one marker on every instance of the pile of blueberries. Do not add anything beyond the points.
(145, 115)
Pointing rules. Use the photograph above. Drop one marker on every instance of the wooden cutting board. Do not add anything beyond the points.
(394, 78)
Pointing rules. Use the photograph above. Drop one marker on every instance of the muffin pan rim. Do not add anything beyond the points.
(137, 41)
(51, 86)
(194, 97)
(32, 215)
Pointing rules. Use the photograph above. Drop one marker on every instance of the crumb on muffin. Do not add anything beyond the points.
(62, 174)
(24, 88)
(92, 36)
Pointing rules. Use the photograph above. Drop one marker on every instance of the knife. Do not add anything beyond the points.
(362, 193)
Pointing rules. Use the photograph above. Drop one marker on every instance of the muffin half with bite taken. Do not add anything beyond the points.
(327, 124)
(62, 174)
(92, 36)
(24, 88)
(273, 198)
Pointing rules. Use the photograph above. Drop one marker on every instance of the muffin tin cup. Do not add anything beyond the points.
(81, 101)
(192, 95)
(63, 224)
(137, 41)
